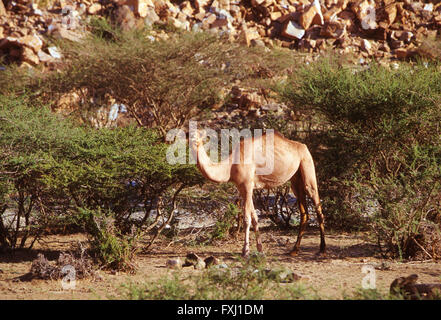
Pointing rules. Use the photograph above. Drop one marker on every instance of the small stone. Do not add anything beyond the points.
(44, 57)
(211, 261)
(332, 13)
(151, 17)
(186, 8)
(2, 9)
(257, 43)
(275, 15)
(308, 16)
(366, 46)
(383, 266)
(94, 8)
(140, 7)
(401, 53)
(246, 35)
(391, 11)
(53, 51)
(428, 7)
(32, 41)
(219, 23)
(394, 66)
(284, 276)
(208, 20)
(292, 30)
(395, 44)
(366, 13)
(334, 30)
(191, 259)
(174, 263)
(199, 16)
(37, 12)
(275, 107)
(200, 265)
(200, 4)
(185, 25)
(66, 34)
(405, 36)
(125, 18)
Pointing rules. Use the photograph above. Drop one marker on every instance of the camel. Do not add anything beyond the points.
(292, 161)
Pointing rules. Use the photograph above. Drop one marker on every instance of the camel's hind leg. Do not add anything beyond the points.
(299, 191)
(254, 221)
(310, 186)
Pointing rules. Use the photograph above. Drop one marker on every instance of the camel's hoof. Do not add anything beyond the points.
(321, 254)
(293, 253)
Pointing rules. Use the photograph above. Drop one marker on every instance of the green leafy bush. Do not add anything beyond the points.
(162, 83)
(225, 225)
(379, 161)
(51, 170)
(111, 247)
(30, 138)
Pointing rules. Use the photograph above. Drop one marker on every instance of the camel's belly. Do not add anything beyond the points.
(274, 180)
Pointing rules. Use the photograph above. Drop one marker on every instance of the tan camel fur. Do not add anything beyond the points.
(292, 161)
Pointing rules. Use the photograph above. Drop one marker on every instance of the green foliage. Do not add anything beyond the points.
(30, 138)
(224, 226)
(380, 159)
(162, 83)
(101, 28)
(112, 248)
(50, 170)
(14, 80)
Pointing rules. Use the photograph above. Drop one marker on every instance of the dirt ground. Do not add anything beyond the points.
(339, 273)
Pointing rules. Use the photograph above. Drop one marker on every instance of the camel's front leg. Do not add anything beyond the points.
(247, 196)
(247, 224)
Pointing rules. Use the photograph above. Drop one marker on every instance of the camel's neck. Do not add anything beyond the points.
(216, 172)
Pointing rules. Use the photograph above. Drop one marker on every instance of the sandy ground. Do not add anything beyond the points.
(338, 273)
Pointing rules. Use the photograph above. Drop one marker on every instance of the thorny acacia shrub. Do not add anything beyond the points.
(30, 139)
(109, 245)
(224, 226)
(163, 83)
(50, 169)
(383, 146)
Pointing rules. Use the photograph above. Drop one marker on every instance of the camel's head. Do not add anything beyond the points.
(197, 137)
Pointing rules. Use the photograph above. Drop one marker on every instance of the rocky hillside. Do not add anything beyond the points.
(380, 29)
